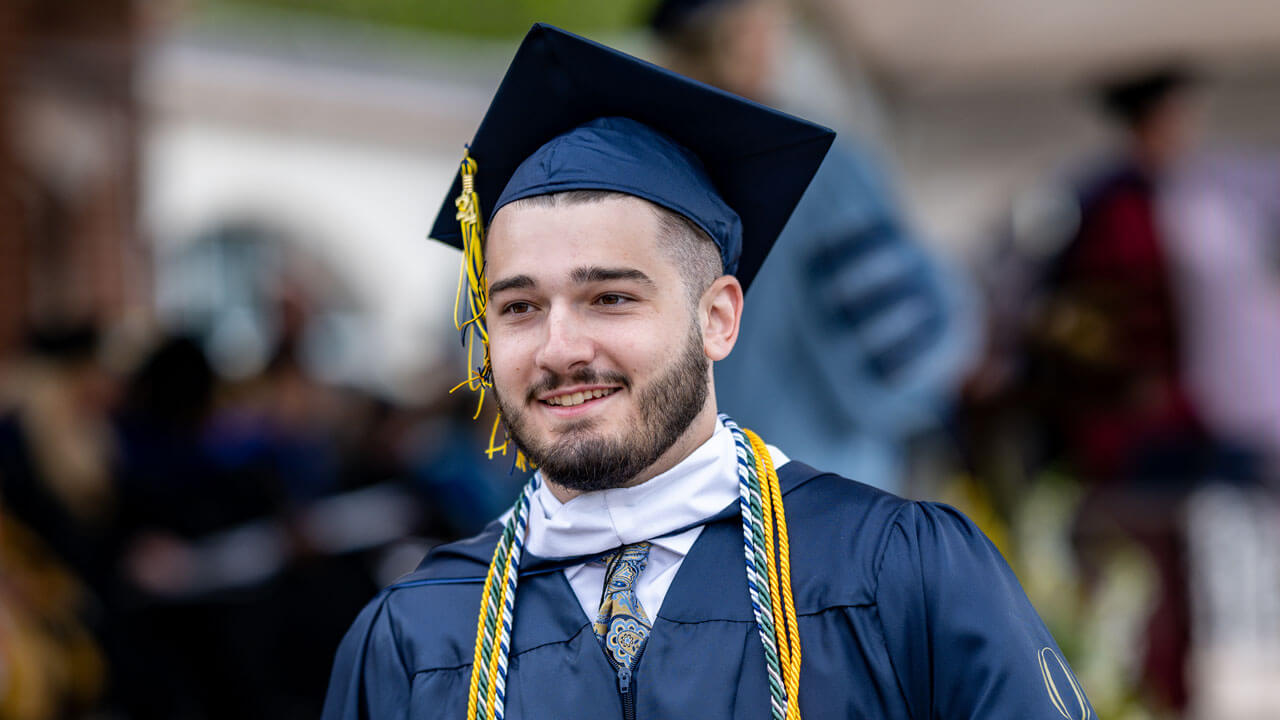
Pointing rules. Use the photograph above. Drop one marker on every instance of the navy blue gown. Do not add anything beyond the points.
(905, 610)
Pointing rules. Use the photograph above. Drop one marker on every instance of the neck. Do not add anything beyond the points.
(698, 432)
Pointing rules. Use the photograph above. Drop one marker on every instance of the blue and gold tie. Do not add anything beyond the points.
(622, 625)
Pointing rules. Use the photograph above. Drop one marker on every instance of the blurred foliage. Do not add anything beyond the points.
(1098, 613)
(482, 18)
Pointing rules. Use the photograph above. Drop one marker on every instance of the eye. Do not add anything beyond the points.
(518, 307)
(612, 299)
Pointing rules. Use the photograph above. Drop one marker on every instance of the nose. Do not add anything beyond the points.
(565, 346)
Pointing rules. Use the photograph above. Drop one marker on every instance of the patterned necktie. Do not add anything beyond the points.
(622, 625)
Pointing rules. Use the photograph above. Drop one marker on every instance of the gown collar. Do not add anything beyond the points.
(466, 560)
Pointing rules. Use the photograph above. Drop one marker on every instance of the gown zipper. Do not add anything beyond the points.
(626, 685)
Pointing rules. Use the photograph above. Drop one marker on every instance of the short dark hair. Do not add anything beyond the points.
(1131, 99)
(692, 31)
(694, 252)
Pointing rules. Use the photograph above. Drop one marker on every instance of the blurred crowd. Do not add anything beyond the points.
(181, 545)
(183, 538)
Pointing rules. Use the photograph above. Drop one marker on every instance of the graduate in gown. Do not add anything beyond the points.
(664, 562)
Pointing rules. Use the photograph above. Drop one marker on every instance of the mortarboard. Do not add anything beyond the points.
(734, 167)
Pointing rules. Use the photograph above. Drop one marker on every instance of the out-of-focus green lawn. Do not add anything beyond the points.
(487, 18)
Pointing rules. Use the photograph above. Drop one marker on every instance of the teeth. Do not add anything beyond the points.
(577, 398)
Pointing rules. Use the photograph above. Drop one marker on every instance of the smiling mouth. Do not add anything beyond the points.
(578, 398)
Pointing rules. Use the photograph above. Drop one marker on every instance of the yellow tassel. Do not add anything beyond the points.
(471, 276)
(493, 436)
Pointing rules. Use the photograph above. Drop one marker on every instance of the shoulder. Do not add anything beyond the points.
(829, 502)
(839, 530)
(830, 498)
(868, 534)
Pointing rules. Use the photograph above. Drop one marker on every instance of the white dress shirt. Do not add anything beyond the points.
(699, 486)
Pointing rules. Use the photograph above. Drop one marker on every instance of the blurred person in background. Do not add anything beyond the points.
(1109, 343)
(1108, 339)
(1084, 420)
(57, 449)
(859, 335)
(58, 532)
(241, 576)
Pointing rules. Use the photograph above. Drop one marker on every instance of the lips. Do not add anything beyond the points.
(578, 397)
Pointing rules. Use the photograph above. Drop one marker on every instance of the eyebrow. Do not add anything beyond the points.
(595, 274)
(581, 276)
(515, 282)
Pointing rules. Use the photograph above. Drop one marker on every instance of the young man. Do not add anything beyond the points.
(657, 564)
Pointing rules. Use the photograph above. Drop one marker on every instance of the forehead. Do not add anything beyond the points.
(547, 234)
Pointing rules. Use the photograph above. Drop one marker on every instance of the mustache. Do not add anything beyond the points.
(585, 376)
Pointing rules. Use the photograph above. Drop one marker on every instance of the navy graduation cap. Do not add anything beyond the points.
(572, 114)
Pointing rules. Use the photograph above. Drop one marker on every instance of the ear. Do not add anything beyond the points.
(721, 312)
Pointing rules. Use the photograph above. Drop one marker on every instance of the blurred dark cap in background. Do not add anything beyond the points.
(670, 16)
(69, 342)
(1130, 99)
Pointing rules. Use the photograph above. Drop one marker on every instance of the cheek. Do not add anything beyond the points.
(641, 352)
(508, 359)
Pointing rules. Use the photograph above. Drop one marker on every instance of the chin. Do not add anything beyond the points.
(578, 432)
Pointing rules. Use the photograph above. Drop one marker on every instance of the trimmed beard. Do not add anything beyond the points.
(586, 462)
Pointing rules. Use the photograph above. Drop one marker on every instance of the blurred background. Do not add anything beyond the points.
(1046, 257)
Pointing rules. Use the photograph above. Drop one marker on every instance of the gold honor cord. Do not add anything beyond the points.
(779, 561)
(477, 661)
(473, 329)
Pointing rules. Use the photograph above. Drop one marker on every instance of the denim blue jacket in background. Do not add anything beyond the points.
(854, 336)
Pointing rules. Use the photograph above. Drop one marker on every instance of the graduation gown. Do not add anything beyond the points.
(905, 610)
